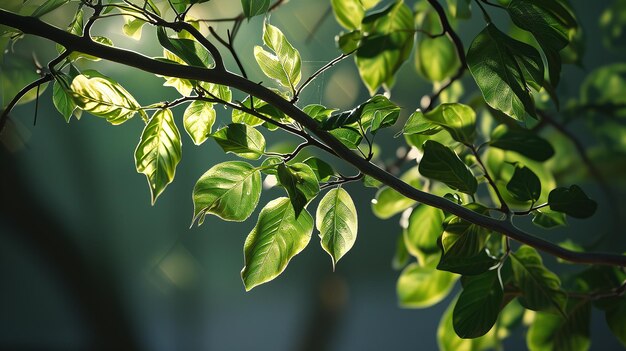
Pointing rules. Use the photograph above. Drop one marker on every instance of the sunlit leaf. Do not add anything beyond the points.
(424, 227)
(349, 13)
(552, 332)
(300, 182)
(389, 202)
(276, 238)
(240, 139)
(229, 190)
(198, 120)
(159, 151)
(420, 287)
(190, 51)
(62, 98)
(103, 97)
(549, 219)
(284, 64)
(457, 119)
(447, 340)
(386, 46)
(323, 171)
(336, 220)
(253, 8)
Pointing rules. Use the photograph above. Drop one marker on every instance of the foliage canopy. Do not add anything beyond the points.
(482, 164)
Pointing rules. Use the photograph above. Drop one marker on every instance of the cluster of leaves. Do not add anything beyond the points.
(491, 164)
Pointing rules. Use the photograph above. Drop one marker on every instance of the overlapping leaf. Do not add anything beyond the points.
(229, 190)
(504, 69)
(277, 237)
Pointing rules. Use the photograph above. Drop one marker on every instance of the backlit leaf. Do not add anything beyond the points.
(240, 139)
(159, 151)
(386, 46)
(229, 190)
(253, 8)
(420, 287)
(300, 182)
(198, 120)
(276, 238)
(524, 185)
(336, 220)
(103, 97)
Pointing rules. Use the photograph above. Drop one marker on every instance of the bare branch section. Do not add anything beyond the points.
(36, 27)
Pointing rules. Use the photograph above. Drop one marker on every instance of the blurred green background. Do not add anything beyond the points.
(87, 263)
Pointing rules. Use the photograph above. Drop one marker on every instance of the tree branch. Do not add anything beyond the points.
(34, 26)
(429, 100)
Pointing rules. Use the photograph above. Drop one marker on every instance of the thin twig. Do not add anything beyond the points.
(503, 206)
(5, 114)
(317, 73)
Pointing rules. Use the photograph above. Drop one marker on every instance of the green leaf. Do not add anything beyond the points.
(349, 13)
(389, 202)
(524, 185)
(548, 219)
(336, 220)
(342, 119)
(350, 137)
(48, 6)
(198, 120)
(463, 246)
(442, 164)
(447, 339)
(318, 112)
(300, 182)
(261, 107)
(550, 332)
(190, 51)
(549, 22)
(616, 319)
(278, 236)
(503, 69)
(420, 287)
(457, 119)
(612, 22)
(541, 289)
(323, 171)
(522, 141)
(348, 42)
(229, 190)
(417, 124)
(103, 97)
(159, 151)
(478, 306)
(62, 99)
(15, 73)
(132, 27)
(253, 8)
(435, 58)
(459, 8)
(573, 201)
(240, 139)
(284, 65)
(424, 227)
(386, 46)
(379, 112)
